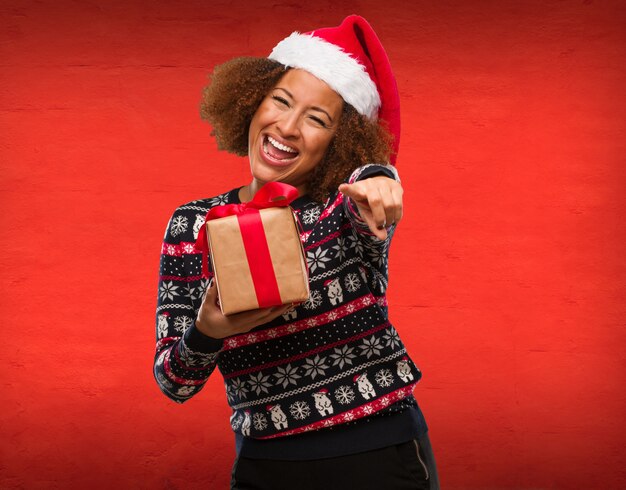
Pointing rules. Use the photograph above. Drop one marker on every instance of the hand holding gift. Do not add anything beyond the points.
(212, 322)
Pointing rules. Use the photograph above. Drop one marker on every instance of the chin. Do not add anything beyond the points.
(266, 175)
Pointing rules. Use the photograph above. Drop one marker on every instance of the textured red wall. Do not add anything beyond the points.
(507, 275)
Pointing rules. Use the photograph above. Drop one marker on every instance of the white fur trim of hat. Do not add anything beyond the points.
(333, 65)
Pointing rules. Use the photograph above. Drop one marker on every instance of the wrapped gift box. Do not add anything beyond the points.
(257, 259)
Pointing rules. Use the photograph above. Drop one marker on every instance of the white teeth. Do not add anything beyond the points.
(280, 146)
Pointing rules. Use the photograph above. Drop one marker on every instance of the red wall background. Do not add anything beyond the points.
(508, 272)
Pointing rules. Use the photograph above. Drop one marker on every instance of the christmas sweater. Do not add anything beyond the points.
(333, 360)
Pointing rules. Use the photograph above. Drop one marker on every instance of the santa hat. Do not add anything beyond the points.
(353, 62)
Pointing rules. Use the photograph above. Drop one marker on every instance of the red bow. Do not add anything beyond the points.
(265, 198)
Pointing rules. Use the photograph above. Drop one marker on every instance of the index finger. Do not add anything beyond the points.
(352, 191)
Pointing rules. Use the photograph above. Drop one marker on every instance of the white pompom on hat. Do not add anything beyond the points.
(353, 62)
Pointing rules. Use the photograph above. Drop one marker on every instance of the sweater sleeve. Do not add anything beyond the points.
(185, 357)
(373, 251)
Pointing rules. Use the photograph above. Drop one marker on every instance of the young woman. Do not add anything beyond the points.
(321, 392)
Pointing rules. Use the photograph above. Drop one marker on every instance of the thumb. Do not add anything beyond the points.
(210, 296)
(211, 290)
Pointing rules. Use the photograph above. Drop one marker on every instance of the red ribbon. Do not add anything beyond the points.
(271, 195)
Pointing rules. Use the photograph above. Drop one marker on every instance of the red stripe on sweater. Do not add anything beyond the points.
(176, 250)
(329, 237)
(164, 342)
(304, 324)
(338, 200)
(182, 279)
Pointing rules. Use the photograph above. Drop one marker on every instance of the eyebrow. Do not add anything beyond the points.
(314, 108)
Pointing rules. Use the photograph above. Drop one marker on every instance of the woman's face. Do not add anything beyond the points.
(292, 128)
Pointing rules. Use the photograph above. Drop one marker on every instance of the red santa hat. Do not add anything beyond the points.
(323, 390)
(353, 62)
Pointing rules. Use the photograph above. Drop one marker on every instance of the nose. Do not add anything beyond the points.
(289, 125)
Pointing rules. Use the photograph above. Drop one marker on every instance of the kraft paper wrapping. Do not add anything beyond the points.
(230, 264)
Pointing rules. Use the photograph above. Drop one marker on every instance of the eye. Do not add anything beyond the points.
(280, 100)
(317, 120)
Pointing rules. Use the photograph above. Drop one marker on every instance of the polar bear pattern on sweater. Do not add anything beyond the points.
(365, 387)
(197, 225)
(162, 325)
(335, 293)
(322, 403)
(404, 371)
(245, 427)
(278, 417)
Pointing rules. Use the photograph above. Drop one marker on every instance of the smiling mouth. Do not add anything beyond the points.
(277, 152)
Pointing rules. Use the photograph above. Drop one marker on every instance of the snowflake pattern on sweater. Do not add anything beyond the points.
(331, 360)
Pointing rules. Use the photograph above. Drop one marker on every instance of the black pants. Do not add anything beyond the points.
(410, 465)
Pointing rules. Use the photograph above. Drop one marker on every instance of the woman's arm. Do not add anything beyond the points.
(190, 326)
(373, 197)
(185, 357)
